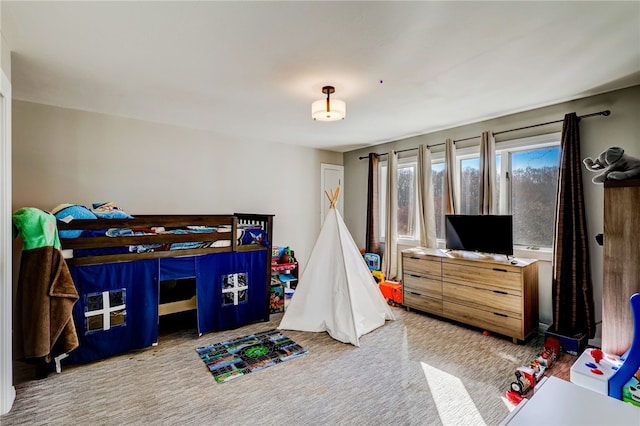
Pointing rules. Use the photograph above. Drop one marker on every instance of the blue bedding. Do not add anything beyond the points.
(247, 236)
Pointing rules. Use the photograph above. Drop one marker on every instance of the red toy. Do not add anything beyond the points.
(528, 376)
(597, 355)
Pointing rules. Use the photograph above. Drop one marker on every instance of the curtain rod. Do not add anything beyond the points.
(606, 113)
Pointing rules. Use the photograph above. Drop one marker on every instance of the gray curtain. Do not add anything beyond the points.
(426, 210)
(487, 174)
(450, 196)
(390, 256)
(573, 306)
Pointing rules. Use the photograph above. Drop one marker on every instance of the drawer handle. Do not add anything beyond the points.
(414, 276)
(500, 315)
(415, 294)
(500, 270)
(500, 292)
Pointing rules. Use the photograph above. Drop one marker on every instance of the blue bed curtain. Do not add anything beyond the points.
(118, 306)
(117, 310)
(231, 290)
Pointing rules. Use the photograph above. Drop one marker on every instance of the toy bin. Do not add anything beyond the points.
(572, 345)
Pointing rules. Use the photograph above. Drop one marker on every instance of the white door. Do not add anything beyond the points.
(331, 176)
(7, 391)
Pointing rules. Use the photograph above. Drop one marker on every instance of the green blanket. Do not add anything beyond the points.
(36, 227)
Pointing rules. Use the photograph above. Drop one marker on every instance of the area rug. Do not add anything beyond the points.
(238, 357)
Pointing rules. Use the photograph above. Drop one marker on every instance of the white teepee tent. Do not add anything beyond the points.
(337, 292)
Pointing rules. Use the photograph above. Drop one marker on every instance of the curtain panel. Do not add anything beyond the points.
(572, 290)
(487, 195)
(426, 211)
(390, 256)
(372, 244)
(450, 195)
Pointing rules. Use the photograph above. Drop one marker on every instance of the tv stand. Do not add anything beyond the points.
(488, 292)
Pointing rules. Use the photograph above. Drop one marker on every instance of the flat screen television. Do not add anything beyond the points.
(481, 233)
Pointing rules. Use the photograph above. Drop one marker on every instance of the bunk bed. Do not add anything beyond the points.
(131, 271)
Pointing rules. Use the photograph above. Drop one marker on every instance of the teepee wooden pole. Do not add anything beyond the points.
(333, 196)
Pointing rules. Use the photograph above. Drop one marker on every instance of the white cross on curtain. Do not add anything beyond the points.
(235, 285)
(106, 310)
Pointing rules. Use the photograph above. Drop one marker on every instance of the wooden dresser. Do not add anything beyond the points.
(621, 278)
(483, 291)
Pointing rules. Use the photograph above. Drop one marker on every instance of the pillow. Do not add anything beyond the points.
(68, 212)
(109, 210)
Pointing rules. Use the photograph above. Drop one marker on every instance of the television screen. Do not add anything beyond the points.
(482, 233)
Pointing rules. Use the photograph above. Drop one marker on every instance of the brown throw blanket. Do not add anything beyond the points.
(44, 303)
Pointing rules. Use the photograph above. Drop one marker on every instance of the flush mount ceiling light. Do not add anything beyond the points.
(328, 109)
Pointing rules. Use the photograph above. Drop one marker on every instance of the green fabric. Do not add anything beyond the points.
(37, 228)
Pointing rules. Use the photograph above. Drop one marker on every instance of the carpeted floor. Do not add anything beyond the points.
(417, 370)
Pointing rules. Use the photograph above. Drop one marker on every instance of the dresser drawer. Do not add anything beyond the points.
(483, 277)
(416, 265)
(419, 284)
(488, 300)
(492, 321)
(421, 302)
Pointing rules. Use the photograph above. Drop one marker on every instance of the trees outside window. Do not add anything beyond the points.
(534, 180)
(407, 199)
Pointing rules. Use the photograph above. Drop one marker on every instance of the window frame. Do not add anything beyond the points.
(404, 161)
(508, 147)
(519, 145)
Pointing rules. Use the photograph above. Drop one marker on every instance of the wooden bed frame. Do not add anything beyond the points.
(166, 221)
(264, 221)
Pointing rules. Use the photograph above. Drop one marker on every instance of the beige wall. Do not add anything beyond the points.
(68, 156)
(621, 128)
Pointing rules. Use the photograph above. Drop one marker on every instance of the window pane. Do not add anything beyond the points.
(534, 179)
(437, 175)
(406, 201)
(470, 186)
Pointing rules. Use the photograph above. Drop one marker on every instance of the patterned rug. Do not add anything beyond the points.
(235, 358)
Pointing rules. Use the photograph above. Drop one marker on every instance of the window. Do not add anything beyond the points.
(469, 185)
(407, 199)
(526, 182)
(534, 179)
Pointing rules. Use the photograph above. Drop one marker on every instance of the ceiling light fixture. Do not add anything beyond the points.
(328, 109)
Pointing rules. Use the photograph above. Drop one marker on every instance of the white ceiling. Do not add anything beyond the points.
(249, 71)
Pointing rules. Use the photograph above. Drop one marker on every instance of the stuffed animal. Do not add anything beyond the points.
(613, 164)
